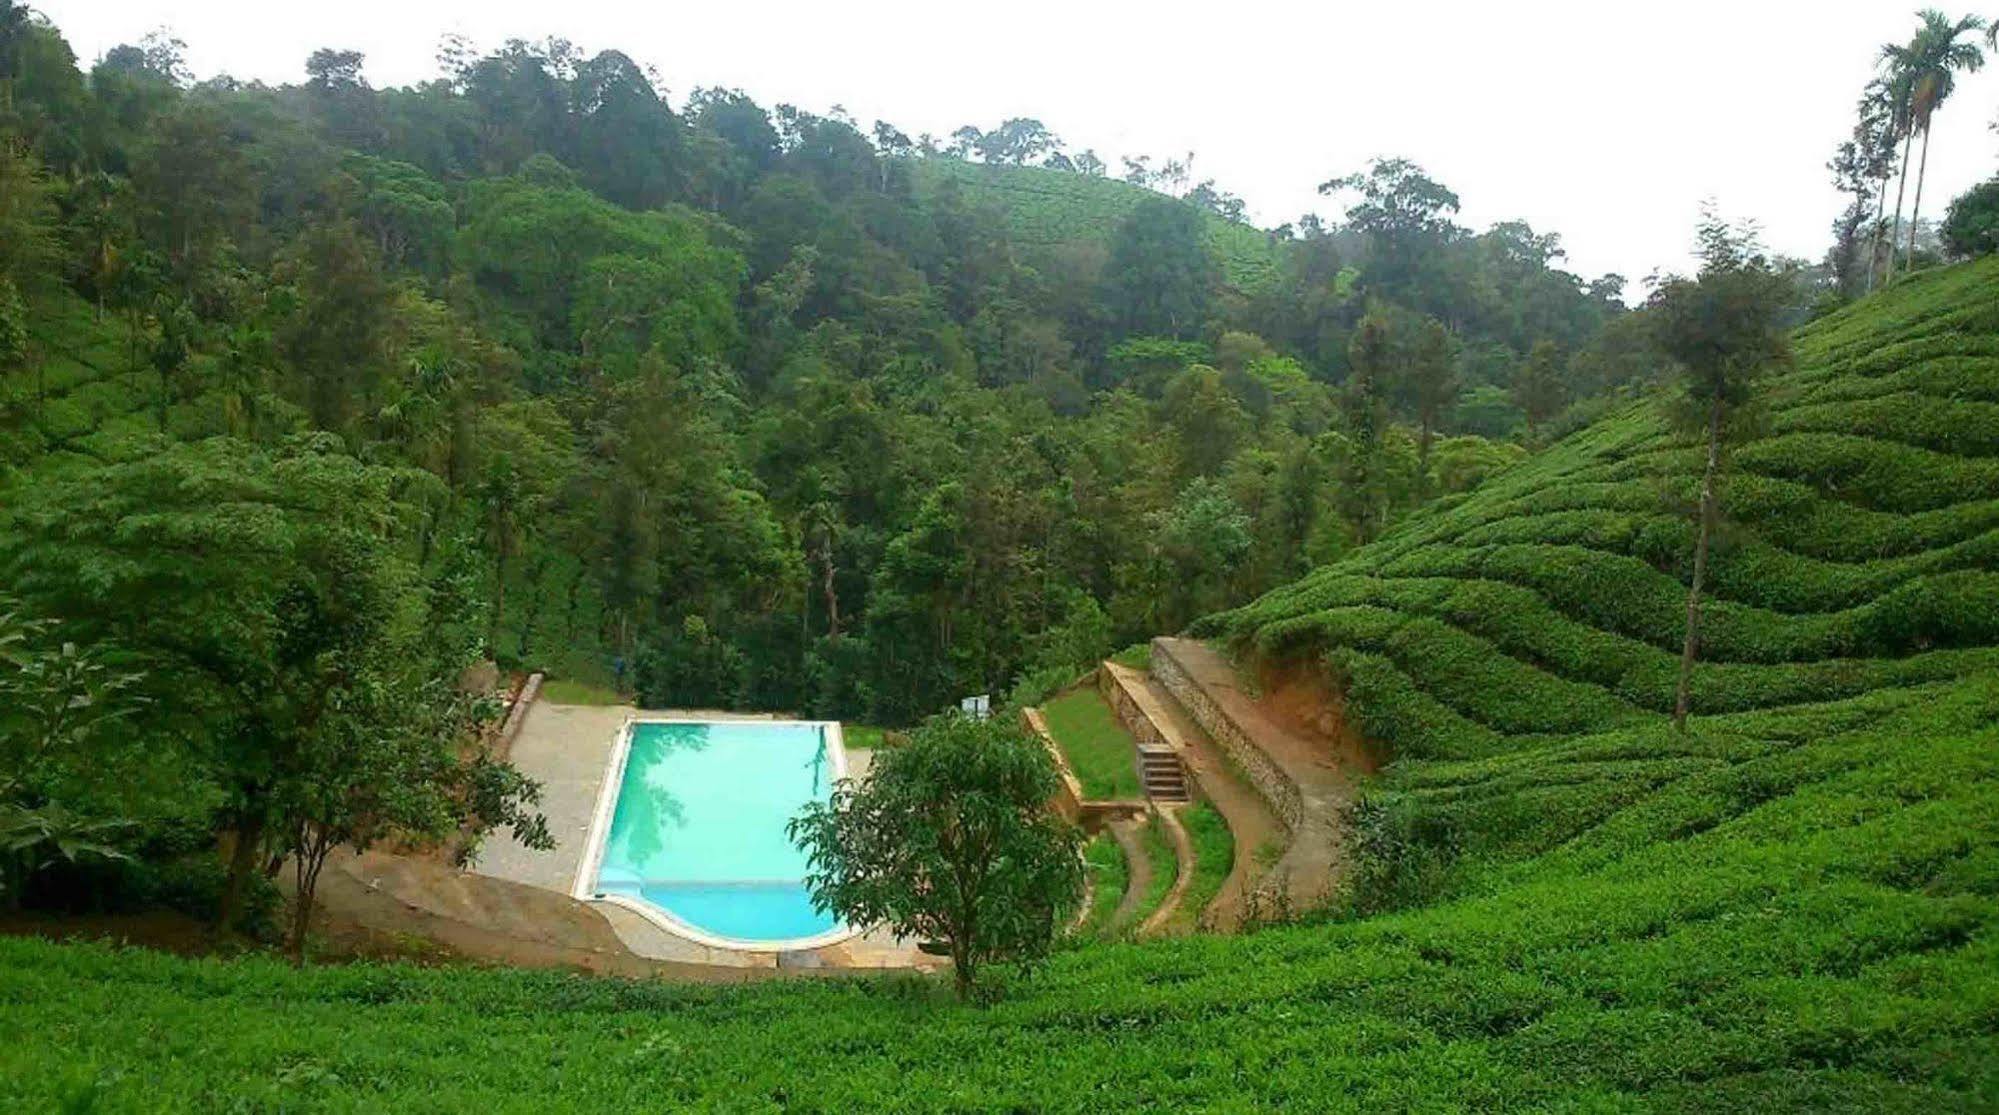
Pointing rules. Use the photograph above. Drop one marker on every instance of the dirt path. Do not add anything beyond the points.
(1312, 764)
(391, 903)
(1260, 838)
(1258, 834)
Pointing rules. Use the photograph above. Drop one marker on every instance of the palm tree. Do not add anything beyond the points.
(1925, 73)
(1879, 127)
(1895, 86)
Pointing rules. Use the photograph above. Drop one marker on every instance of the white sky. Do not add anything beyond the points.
(1603, 120)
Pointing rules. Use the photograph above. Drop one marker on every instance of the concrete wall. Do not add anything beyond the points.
(1127, 711)
(1068, 801)
(1090, 814)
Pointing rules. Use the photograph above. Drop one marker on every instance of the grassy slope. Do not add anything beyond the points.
(1049, 207)
(1165, 869)
(1109, 875)
(1792, 908)
(1519, 650)
(1098, 748)
(1214, 855)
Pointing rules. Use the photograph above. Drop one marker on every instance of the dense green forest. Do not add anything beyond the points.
(736, 406)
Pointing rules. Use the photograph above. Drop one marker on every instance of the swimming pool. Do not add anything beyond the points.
(692, 832)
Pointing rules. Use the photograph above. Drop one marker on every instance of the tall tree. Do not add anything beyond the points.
(1161, 276)
(1364, 418)
(1925, 72)
(1433, 384)
(271, 588)
(1405, 215)
(14, 23)
(1724, 331)
(1538, 389)
(1861, 165)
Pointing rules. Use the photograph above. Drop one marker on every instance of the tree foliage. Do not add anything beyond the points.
(1724, 329)
(950, 840)
(710, 401)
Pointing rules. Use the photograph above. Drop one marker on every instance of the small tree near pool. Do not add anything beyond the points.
(949, 839)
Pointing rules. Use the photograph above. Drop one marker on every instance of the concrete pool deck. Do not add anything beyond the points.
(567, 748)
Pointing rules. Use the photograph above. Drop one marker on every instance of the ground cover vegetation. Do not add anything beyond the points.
(1099, 749)
(1108, 874)
(1214, 855)
(1158, 848)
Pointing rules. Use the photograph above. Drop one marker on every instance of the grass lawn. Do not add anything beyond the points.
(1098, 748)
(1104, 860)
(563, 692)
(1165, 868)
(1214, 856)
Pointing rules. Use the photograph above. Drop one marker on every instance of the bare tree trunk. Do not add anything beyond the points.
(1423, 438)
(1901, 187)
(310, 857)
(242, 860)
(827, 586)
(1915, 210)
(569, 607)
(1684, 698)
(963, 967)
(499, 600)
(537, 592)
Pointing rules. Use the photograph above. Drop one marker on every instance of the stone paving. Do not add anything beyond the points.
(567, 748)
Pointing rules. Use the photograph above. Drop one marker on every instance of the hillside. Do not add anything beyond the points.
(1792, 907)
(1046, 207)
(1491, 644)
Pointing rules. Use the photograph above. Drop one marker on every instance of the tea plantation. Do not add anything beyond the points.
(1047, 208)
(1561, 904)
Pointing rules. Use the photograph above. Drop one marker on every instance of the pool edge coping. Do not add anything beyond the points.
(608, 792)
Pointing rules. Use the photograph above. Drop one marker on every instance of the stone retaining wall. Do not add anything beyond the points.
(1276, 787)
(503, 746)
(1127, 711)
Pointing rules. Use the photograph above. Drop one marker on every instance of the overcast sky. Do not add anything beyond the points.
(1604, 121)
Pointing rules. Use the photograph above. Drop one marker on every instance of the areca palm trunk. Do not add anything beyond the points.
(1901, 188)
(1915, 210)
(1874, 254)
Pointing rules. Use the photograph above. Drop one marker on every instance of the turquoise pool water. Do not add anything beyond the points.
(698, 830)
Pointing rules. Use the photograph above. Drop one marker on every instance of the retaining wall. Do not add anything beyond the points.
(1091, 814)
(1270, 780)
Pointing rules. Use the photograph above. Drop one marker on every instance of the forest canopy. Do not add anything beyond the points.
(736, 405)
